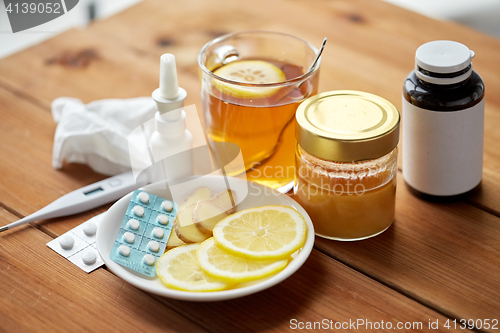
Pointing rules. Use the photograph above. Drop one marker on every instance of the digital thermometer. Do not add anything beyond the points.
(85, 198)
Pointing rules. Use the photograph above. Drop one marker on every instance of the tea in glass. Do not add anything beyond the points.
(252, 84)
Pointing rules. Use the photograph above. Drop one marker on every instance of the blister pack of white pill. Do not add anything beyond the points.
(78, 245)
(144, 232)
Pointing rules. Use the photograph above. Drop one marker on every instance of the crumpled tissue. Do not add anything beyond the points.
(97, 133)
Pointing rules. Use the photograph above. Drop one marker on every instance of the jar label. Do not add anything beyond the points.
(442, 151)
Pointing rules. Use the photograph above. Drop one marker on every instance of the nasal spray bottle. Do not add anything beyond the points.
(170, 136)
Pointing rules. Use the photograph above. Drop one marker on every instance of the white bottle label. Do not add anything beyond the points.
(442, 150)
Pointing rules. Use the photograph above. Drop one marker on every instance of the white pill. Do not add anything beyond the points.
(158, 232)
(66, 242)
(134, 224)
(138, 210)
(143, 197)
(167, 205)
(149, 259)
(89, 257)
(89, 228)
(154, 246)
(163, 219)
(129, 237)
(124, 250)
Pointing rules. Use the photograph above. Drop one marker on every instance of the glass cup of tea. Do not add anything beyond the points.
(251, 85)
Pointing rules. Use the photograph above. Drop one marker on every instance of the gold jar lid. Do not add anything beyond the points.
(347, 126)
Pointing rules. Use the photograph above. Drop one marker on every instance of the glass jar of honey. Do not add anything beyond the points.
(347, 163)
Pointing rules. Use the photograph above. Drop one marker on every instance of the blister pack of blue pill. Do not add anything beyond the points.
(144, 232)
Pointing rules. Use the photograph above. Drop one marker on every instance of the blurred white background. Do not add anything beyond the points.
(483, 15)
(79, 16)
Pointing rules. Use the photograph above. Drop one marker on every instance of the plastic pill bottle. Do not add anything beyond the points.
(347, 163)
(443, 122)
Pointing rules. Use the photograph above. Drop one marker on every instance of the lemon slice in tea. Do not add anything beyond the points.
(225, 266)
(178, 268)
(249, 71)
(262, 233)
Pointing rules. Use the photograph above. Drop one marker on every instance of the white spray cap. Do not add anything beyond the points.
(169, 96)
(169, 87)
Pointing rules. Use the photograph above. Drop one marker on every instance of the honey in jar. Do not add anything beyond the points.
(346, 163)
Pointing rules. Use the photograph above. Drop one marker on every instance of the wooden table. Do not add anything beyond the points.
(437, 262)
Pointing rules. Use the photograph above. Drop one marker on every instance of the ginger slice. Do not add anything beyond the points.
(206, 215)
(225, 200)
(185, 228)
(200, 194)
(174, 241)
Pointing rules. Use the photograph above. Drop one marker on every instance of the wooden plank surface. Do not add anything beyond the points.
(88, 65)
(26, 135)
(321, 289)
(39, 282)
(444, 256)
(42, 292)
(371, 48)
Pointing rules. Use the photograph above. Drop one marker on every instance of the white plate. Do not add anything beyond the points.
(258, 195)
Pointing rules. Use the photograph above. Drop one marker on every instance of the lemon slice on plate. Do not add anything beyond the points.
(249, 71)
(262, 233)
(178, 268)
(222, 265)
